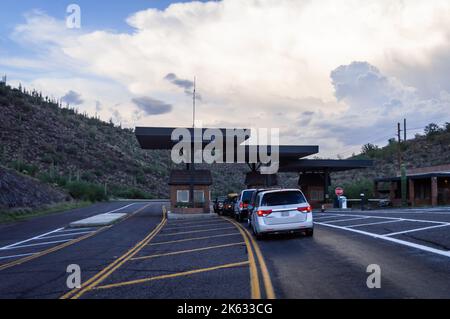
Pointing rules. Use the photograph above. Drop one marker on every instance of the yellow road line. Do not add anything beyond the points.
(180, 274)
(191, 239)
(196, 231)
(262, 264)
(254, 281)
(107, 271)
(187, 251)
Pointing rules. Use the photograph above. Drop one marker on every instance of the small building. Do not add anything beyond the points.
(428, 186)
(180, 183)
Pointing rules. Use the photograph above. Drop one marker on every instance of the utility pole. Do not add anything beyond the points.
(191, 166)
(399, 147)
(404, 130)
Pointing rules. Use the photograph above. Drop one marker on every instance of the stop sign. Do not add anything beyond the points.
(339, 191)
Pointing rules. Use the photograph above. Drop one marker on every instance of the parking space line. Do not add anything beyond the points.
(187, 251)
(197, 226)
(417, 229)
(180, 274)
(377, 223)
(112, 267)
(196, 231)
(41, 244)
(15, 256)
(390, 239)
(191, 239)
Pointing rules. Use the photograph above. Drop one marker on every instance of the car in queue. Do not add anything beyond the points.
(281, 211)
(241, 207)
(218, 205)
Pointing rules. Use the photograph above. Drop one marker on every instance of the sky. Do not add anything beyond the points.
(337, 74)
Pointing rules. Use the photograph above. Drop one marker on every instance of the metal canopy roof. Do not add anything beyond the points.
(315, 165)
(160, 138)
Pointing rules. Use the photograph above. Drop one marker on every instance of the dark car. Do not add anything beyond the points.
(218, 205)
(228, 205)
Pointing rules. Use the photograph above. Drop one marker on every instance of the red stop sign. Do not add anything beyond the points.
(339, 191)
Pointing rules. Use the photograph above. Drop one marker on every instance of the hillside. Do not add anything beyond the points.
(59, 146)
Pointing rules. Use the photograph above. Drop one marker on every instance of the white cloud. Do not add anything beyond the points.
(265, 61)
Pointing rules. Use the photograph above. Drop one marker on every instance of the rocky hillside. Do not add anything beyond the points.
(17, 190)
(57, 145)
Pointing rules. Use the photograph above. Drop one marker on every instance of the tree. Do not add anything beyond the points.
(447, 127)
(432, 129)
(369, 149)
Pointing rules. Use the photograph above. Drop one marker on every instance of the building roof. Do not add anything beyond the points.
(186, 177)
(320, 165)
(414, 176)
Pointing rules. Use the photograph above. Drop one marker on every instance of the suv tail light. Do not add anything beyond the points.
(307, 209)
(241, 205)
(264, 213)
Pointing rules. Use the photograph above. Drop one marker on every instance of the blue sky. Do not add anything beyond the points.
(334, 73)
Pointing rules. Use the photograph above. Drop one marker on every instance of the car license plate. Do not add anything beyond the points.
(284, 214)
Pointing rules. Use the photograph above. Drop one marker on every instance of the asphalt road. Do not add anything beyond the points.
(148, 256)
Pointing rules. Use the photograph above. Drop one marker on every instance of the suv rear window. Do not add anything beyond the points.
(283, 198)
(247, 196)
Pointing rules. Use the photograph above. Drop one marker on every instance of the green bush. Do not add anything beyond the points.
(129, 193)
(86, 191)
(25, 168)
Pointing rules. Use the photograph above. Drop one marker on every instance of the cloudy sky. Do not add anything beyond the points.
(335, 73)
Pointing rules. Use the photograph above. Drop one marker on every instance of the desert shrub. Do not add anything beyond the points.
(86, 191)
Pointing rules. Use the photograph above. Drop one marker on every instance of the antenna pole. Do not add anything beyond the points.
(193, 104)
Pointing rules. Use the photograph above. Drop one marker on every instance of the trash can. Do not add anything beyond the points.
(343, 202)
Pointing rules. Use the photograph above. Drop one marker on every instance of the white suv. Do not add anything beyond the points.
(281, 211)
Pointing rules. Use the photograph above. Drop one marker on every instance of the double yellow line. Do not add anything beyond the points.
(253, 249)
(107, 271)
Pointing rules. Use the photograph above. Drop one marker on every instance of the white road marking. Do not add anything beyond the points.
(30, 239)
(390, 239)
(326, 217)
(376, 223)
(66, 234)
(14, 256)
(417, 229)
(40, 244)
(396, 218)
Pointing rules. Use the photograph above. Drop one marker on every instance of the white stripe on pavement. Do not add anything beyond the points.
(417, 229)
(30, 239)
(390, 239)
(40, 244)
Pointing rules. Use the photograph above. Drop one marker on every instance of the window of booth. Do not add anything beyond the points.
(182, 196)
(199, 196)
